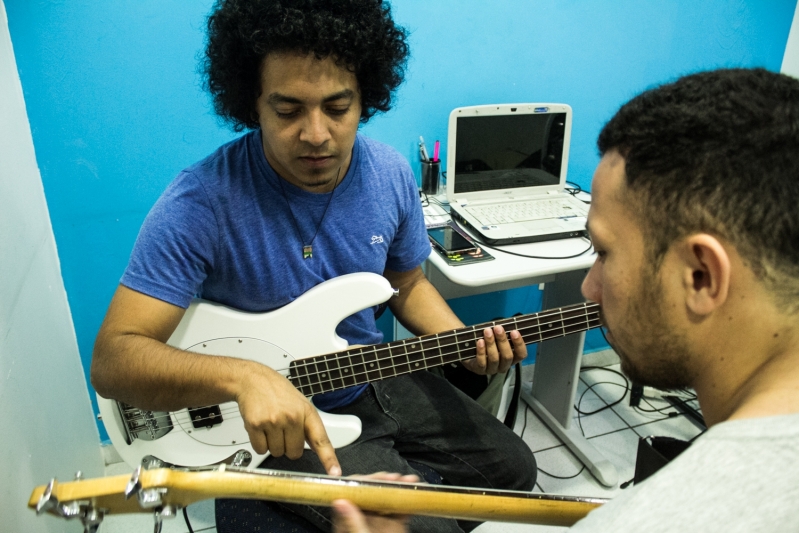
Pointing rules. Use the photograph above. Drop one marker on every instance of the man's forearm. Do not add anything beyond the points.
(418, 306)
(152, 375)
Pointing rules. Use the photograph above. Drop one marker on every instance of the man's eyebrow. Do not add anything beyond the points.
(277, 98)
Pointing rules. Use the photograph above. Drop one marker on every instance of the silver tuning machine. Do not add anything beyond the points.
(90, 517)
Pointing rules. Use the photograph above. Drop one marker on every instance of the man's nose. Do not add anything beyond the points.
(591, 287)
(315, 130)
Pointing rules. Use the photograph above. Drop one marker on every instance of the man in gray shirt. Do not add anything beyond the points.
(695, 221)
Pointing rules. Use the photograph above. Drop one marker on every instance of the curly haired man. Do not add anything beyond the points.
(299, 199)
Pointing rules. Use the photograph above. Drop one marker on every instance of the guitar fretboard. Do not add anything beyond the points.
(356, 366)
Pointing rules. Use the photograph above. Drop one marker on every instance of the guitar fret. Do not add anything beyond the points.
(432, 345)
(320, 386)
(385, 361)
(335, 373)
(348, 373)
(371, 365)
(450, 351)
(358, 368)
(300, 378)
(397, 366)
(415, 356)
(407, 356)
(573, 321)
(465, 345)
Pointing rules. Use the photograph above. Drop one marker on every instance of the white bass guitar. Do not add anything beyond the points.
(199, 436)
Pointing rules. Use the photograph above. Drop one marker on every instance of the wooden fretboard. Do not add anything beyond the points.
(356, 366)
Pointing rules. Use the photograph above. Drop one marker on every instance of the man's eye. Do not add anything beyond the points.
(286, 113)
(338, 110)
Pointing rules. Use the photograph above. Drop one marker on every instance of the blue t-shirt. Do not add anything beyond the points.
(223, 231)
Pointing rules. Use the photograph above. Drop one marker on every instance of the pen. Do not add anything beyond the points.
(435, 152)
(422, 149)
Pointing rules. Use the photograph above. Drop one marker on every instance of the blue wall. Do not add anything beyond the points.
(116, 107)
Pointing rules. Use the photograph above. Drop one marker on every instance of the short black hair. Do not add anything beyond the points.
(359, 34)
(718, 152)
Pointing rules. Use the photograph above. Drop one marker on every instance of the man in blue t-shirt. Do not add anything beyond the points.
(300, 199)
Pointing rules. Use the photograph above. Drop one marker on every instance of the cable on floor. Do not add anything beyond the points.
(186, 518)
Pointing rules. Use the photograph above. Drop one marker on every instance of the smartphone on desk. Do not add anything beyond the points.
(450, 241)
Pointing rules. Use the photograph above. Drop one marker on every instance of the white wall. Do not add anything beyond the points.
(790, 61)
(46, 423)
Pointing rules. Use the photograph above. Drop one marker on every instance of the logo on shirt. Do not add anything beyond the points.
(376, 239)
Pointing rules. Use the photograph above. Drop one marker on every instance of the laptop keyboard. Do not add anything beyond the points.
(526, 211)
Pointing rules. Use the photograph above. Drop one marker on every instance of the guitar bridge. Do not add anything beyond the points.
(144, 425)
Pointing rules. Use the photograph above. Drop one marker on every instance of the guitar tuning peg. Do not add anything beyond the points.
(48, 501)
(167, 511)
(91, 519)
(134, 484)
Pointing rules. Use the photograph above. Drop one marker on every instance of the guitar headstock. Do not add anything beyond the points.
(158, 491)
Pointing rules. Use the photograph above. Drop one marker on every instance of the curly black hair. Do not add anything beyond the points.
(359, 34)
(717, 152)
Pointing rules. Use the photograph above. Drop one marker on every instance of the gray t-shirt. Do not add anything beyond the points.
(740, 476)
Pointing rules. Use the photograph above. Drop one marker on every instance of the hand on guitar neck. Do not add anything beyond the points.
(348, 518)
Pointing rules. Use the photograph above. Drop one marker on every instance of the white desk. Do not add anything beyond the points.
(557, 363)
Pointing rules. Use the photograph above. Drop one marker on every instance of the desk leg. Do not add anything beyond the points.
(557, 369)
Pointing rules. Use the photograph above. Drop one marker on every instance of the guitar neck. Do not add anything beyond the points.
(356, 366)
(182, 488)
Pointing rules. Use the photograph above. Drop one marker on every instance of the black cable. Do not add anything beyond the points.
(538, 467)
(186, 517)
(655, 409)
(524, 426)
(605, 407)
(425, 199)
(590, 246)
(443, 205)
(562, 477)
(616, 402)
(575, 188)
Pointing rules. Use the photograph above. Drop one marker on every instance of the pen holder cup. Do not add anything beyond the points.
(431, 171)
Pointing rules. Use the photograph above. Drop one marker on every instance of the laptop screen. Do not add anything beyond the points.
(508, 151)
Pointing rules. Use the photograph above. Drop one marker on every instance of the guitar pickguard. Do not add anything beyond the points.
(231, 430)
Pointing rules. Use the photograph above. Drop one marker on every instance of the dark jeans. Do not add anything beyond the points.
(422, 418)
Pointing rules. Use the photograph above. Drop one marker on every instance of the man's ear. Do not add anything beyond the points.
(706, 273)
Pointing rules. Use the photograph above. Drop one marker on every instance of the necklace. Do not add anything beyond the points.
(307, 249)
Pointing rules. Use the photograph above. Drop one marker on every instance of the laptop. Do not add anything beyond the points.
(506, 173)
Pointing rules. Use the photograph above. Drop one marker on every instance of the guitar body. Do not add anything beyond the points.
(197, 437)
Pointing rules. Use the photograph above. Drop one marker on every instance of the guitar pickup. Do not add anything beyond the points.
(205, 417)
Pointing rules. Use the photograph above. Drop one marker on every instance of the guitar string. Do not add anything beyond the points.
(319, 361)
(591, 308)
(587, 321)
(414, 365)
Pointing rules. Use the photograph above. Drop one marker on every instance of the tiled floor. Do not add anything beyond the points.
(614, 431)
